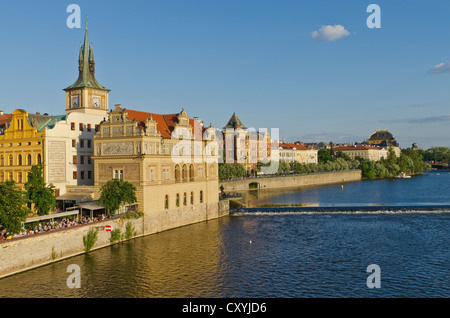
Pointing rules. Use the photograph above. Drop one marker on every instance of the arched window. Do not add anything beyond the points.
(166, 202)
(39, 159)
(191, 173)
(10, 160)
(185, 172)
(29, 160)
(177, 172)
(19, 160)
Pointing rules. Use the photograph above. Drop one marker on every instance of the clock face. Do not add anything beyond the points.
(96, 101)
(75, 102)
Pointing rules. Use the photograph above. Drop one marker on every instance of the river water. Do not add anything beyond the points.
(279, 253)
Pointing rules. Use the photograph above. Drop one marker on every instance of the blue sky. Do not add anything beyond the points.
(257, 58)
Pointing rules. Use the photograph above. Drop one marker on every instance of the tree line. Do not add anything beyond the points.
(410, 161)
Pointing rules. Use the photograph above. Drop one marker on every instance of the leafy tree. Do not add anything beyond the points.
(42, 195)
(13, 207)
(324, 155)
(231, 170)
(115, 193)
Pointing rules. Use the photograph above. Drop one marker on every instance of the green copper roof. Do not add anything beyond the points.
(40, 122)
(235, 122)
(86, 67)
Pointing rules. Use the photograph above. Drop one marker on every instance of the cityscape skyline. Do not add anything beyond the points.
(324, 74)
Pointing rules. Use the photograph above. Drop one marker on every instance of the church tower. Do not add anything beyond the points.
(86, 95)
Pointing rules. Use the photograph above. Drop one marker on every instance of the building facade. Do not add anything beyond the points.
(370, 153)
(168, 158)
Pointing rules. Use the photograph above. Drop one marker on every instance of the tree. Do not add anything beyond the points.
(115, 193)
(324, 155)
(13, 207)
(42, 195)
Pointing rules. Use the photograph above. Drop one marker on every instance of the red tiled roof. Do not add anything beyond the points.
(5, 119)
(165, 123)
(292, 146)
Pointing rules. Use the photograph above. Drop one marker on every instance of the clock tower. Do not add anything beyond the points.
(86, 95)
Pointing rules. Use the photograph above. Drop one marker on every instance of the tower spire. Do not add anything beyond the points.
(86, 66)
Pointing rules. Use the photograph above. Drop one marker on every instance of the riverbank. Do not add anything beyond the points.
(25, 253)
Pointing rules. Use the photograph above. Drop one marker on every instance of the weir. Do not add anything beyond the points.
(346, 208)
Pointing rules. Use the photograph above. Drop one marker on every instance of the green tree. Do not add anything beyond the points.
(324, 155)
(115, 193)
(42, 195)
(13, 207)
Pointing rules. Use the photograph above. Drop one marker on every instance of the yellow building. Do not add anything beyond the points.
(370, 153)
(22, 144)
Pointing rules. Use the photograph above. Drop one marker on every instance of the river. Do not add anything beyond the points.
(283, 253)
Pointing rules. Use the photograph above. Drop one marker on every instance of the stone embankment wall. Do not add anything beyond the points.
(293, 180)
(20, 254)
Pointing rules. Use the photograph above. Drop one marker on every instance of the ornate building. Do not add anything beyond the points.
(171, 159)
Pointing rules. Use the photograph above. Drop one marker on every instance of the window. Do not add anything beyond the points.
(200, 172)
(72, 126)
(166, 175)
(2, 161)
(11, 160)
(81, 126)
(118, 174)
(88, 127)
(39, 159)
(184, 199)
(177, 173)
(19, 177)
(152, 174)
(89, 160)
(29, 160)
(74, 143)
(75, 175)
(2, 177)
(166, 202)
(201, 196)
(82, 161)
(89, 174)
(192, 198)
(74, 159)
(82, 175)
(177, 202)
(10, 176)
(19, 160)
(89, 143)
(81, 143)
(97, 128)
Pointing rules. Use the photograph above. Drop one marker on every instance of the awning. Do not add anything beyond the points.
(51, 216)
(89, 206)
(77, 197)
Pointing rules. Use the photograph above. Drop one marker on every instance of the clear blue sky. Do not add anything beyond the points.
(257, 58)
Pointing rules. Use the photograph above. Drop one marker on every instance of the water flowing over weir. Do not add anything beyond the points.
(341, 209)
